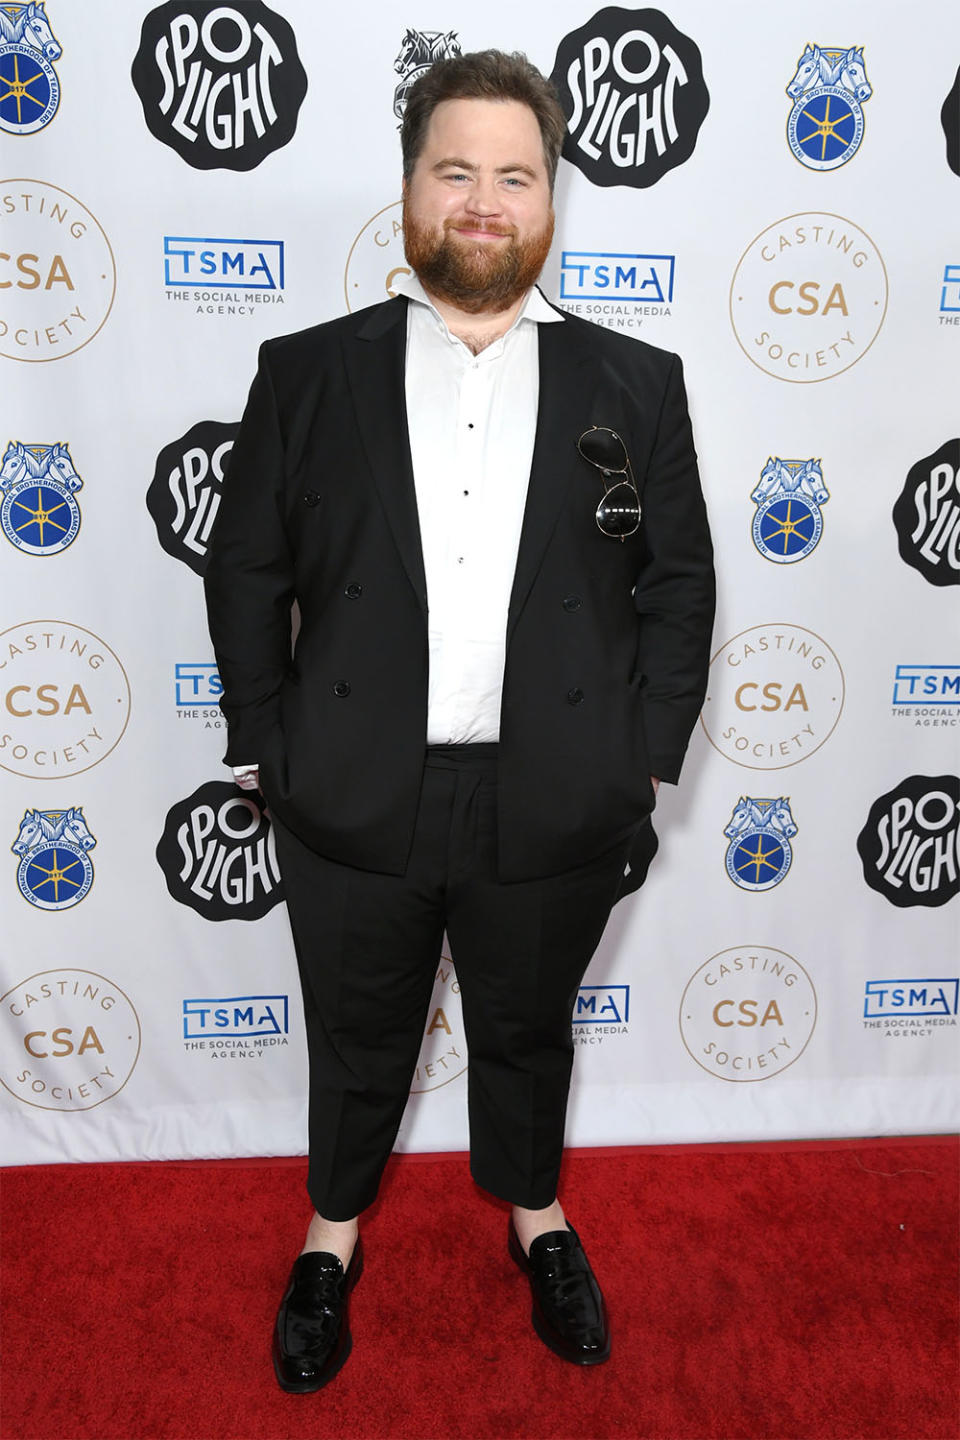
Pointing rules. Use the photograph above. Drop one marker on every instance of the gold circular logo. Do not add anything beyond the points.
(774, 696)
(748, 1013)
(70, 1040)
(58, 276)
(376, 258)
(443, 1054)
(808, 297)
(65, 699)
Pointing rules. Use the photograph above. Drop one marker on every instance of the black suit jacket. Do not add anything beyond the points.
(607, 642)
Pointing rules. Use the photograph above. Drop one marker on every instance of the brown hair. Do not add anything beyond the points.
(483, 75)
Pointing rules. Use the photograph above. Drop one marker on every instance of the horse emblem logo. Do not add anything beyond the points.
(828, 91)
(788, 524)
(29, 88)
(759, 854)
(38, 506)
(55, 870)
(419, 49)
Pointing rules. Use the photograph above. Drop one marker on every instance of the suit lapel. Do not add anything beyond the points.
(375, 360)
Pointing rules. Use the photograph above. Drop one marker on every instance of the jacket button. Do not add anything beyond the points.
(575, 696)
(341, 689)
(353, 591)
(312, 498)
(572, 602)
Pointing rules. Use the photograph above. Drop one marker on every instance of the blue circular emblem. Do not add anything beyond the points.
(55, 876)
(825, 127)
(758, 860)
(40, 517)
(29, 89)
(787, 528)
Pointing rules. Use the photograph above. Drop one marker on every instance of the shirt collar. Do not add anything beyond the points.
(534, 307)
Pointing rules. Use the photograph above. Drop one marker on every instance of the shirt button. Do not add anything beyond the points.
(353, 591)
(572, 602)
(341, 689)
(312, 498)
(575, 696)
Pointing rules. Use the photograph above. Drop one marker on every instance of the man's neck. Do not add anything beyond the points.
(479, 330)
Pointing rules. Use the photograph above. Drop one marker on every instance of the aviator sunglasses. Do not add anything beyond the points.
(618, 514)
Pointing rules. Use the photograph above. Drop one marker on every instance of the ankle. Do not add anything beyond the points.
(337, 1237)
(531, 1223)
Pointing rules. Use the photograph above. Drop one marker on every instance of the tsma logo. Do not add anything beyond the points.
(195, 262)
(602, 1005)
(197, 684)
(602, 275)
(910, 997)
(242, 1015)
(926, 685)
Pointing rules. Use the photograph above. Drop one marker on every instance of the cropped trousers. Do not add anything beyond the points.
(368, 947)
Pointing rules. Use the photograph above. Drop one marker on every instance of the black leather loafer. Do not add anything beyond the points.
(568, 1310)
(311, 1339)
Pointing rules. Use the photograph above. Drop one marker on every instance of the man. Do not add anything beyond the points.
(497, 659)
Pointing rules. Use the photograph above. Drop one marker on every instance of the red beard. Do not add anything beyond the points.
(475, 277)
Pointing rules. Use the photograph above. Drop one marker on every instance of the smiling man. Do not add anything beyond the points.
(490, 517)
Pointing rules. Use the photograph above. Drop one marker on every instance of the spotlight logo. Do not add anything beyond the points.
(759, 853)
(218, 854)
(184, 494)
(828, 90)
(29, 88)
(443, 1053)
(70, 1040)
(774, 697)
(376, 259)
(910, 844)
(788, 521)
(38, 506)
(927, 516)
(419, 49)
(748, 1013)
(55, 870)
(808, 297)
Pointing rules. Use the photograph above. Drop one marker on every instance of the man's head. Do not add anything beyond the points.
(481, 137)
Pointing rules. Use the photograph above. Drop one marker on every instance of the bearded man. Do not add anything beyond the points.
(489, 515)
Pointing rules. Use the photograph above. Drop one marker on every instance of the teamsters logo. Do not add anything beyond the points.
(788, 522)
(184, 494)
(70, 1040)
(65, 699)
(808, 297)
(828, 91)
(910, 845)
(774, 697)
(218, 853)
(38, 507)
(927, 516)
(29, 88)
(759, 853)
(748, 1013)
(57, 272)
(55, 870)
(419, 49)
(632, 89)
(221, 84)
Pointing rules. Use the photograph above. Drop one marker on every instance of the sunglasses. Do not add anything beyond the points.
(618, 514)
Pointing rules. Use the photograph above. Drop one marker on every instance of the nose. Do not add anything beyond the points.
(483, 198)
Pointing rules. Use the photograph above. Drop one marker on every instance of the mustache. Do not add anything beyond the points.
(487, 227)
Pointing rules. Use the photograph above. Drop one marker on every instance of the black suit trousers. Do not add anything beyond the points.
(368, 947)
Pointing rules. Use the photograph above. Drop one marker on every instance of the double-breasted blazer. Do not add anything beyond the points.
(607, 642)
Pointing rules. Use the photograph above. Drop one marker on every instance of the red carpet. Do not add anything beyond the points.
(780, 1292)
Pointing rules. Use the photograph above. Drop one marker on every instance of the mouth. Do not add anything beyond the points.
(474, 232)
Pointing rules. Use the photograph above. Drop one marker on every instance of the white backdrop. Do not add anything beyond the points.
(799, 979)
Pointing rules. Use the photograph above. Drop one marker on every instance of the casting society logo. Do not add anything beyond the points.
(184, 495)
(927, 516)
(443, 1052)
(29, 88)
(631, 86)
(220, 84)
(748, 1013)
(218, 853)
(375, 260)
(828, 91)
(55, 870)
(57, 272)
(788, 523)
(65, 699)
(774, 696)
(910, 844)
(38, 505)
(808, 297)
(759, 853)
(70, 1039)
(419, 49)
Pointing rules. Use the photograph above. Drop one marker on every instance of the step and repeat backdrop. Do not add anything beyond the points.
(772, 194)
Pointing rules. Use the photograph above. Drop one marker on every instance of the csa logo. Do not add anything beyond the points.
(38, 508)
(184, 495)
(218, 853)
(808, 297)
(220, 84)
(70, 1040)
(927, 516)
(759, 854)
(748, 1014)
(419, 49)
(29, 88)
(443, 1053)
(774, 697)
(631, 86)
(55, 870)
(57, 272)
(910, 843)
(950, 120)
(788, 523)
(376, 259)
(825, 126)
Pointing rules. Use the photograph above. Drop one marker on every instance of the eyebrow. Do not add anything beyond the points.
(514, 166)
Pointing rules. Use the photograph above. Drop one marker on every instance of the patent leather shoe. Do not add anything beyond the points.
(568, 1310)
(311, 1339)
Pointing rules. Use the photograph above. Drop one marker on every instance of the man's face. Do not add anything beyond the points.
(477, 213)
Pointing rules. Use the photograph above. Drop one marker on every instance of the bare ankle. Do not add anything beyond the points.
(337, 1237)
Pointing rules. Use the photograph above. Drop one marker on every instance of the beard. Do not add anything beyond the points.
(475, 277)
